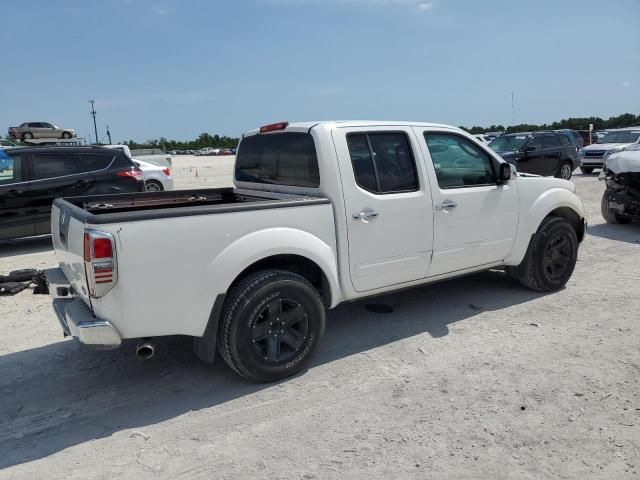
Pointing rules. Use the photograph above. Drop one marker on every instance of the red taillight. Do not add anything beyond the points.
(133, 173)
(166, 171)
(274, 126)
(102, 248)
(100, 262)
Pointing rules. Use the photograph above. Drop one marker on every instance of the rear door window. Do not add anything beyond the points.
(383, 162)
(10, 168)
(550, 141)
(96, 161)
(287, 158)
(52, 165)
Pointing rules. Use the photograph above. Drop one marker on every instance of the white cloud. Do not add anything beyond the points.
(424, 6)
(626, 84)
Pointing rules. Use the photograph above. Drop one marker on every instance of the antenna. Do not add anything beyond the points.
(93, 114)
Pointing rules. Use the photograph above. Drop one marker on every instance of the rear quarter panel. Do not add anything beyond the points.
(171, 270)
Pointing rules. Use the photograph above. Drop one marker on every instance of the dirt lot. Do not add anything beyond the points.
(472, 378)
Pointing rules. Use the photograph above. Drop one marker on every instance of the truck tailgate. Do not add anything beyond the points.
(68, 241)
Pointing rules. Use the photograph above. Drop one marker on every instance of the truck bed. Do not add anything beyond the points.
(127, 207)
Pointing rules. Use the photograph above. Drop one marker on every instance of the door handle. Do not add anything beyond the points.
(15, 192)
(446, 204)
(365, 215)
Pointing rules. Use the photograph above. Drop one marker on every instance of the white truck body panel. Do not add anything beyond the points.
(171, 270)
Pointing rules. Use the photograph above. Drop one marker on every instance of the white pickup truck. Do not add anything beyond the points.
(321, 213)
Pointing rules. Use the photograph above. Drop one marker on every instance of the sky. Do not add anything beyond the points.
(177, 68)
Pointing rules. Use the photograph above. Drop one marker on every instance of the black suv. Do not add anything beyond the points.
(30, 178)
(542, 153)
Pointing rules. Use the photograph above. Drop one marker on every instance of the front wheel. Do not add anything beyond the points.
(551, 256)
(565, 171)
(271, 325)
(609, 214)
(66, 135)
(27, 135)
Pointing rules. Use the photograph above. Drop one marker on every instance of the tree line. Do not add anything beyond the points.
(579, 123)
(203, 140)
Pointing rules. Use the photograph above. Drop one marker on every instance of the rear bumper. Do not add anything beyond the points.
(76, 318)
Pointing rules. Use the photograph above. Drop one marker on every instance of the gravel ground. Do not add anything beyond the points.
(471, 378)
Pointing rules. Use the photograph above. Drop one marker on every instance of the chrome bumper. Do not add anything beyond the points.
(76, 318)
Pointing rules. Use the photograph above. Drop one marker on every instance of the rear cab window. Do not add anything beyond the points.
(286, 158)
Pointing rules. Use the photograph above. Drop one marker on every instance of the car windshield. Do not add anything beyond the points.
(507, 143)
(620, 137)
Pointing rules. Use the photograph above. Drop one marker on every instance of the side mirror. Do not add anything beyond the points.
(504, 173)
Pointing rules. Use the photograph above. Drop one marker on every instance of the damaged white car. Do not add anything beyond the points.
(621, 199)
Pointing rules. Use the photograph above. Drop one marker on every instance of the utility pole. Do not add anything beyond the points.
(513, 112)
(93, 114)
(109, 135)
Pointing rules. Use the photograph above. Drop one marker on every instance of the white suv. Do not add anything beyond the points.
(595, 155)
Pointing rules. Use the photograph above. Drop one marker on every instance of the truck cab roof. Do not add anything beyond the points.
(330, 124)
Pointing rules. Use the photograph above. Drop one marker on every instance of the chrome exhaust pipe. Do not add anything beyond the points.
(145, 349)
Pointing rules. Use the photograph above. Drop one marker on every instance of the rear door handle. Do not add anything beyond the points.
(446, 204)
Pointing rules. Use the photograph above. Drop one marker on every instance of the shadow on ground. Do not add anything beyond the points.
(629, 233)
(24, 246)
(60, 395)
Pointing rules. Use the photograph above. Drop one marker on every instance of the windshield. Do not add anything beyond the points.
(620, 137)
(507, 143)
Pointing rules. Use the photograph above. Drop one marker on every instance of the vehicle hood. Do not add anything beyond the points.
(606, 146)
(626, 161)
(530, 181)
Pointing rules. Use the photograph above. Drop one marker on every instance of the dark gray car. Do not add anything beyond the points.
(541, 153)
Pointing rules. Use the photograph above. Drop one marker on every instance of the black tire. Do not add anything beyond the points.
(27, 135)
(565, 171)
(254, 308)
(66, 135)
(587, 170)
(153, 186)
(608, 214)
(551, 256)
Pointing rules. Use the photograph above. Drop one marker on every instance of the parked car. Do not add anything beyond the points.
(156, 178)
(541, 153)
(485, 139)
(5, 144)
(31, 178)
(594, 156)
(40, 130)
(621, 199)
(314, 221)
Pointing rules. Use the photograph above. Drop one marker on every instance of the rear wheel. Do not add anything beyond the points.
(565, 171)
(271, 325)
(551, 256)
(609, 214)
(586, 170)
(153, 186)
